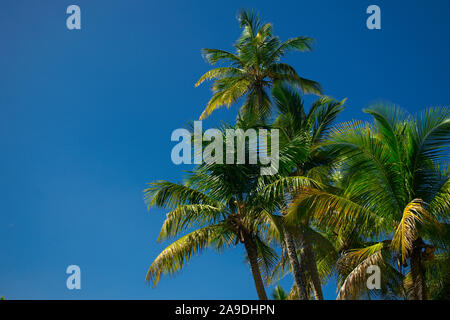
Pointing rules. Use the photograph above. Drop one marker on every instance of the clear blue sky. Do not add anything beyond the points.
(86, 118)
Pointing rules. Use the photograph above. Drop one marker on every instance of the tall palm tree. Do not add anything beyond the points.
(222, 203)
(293, 121)
(395, 197)
(253, 68)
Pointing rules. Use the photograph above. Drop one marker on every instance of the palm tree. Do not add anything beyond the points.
(222, 203)
(393, 198)
(293, 121)
(253, 68)
(221, 221)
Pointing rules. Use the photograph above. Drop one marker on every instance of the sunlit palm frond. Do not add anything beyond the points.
(186, 216)
(172, 259)
(226, 92)
(219, 73)
(415, 213)
(355, 282)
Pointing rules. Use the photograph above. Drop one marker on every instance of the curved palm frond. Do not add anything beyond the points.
(430, 135)
(219, 73)
(334, 211)
(406, 233)
(172, 259)
(323, 117)
(355, 282)
(186, 216)
(215, 55)
(440, 204)
(299, 43)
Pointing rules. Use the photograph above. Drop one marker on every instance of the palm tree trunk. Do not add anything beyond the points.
(418, 271)
(297, 269)
(250, 247)
(307, 255)
(259, 113)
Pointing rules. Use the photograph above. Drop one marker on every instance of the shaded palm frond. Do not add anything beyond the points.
(279, 293)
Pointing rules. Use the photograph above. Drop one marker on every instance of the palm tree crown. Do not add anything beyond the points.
(393, 186)
(253, 68)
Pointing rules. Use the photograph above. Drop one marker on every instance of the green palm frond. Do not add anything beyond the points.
(438, 275)
(439, 206)
(298, 43)
(170, 195)
(270, 225)
(276, 190)
(215, 55)
(390, 122)
(430, 134)
(323, 117)
(267, 258)
(281, 269)
(280, 72)
(372, 164)
(279, 293)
